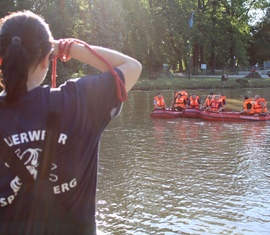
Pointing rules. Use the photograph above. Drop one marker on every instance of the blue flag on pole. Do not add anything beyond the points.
(191, 19)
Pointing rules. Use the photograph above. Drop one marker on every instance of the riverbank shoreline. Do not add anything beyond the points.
(200, 82)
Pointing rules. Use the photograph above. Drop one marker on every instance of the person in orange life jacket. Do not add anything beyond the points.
(159, 102)
(223, 99)
(184, 97)
(179, 103)
(208, 100)
(259, 105)
(216, 104)
(247, 106)
(183, 93)
(194, 102)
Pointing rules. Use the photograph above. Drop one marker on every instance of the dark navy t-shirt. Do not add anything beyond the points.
(88, 105)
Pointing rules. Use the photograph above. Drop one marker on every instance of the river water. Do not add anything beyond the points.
(183, 176)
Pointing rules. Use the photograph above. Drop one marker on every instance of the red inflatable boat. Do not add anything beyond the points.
(209, 116)
(189, 113)
(232, 116)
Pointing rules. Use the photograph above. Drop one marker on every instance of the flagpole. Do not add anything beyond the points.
(190, 24)
(188, 52)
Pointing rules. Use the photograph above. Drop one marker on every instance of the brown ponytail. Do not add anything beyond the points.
(25, 39)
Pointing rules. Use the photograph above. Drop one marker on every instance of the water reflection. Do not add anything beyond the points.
(182, 176)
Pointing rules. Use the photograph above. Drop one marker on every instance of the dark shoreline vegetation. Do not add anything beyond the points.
(213, 82)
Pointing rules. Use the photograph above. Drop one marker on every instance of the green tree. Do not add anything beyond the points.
(259, 48)
(157, 31)
(7, 6)
(259, 45)
(138, 31)
(223, 32)
(175, 15)
(108, 26)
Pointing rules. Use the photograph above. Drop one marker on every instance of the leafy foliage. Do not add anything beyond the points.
(158, 31)
(259, 46)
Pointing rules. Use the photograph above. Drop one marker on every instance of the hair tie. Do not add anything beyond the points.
(16, 39)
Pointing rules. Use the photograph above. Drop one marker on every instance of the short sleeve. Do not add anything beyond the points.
(93, 99)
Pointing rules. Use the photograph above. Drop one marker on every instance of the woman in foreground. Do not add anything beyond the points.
(61, 201)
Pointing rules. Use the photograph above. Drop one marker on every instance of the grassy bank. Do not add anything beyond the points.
(175, 83)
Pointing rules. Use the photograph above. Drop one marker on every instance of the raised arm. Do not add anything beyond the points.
(130, 67)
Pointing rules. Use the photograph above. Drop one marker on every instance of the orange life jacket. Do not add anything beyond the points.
(257, 108)
(194, 103)
(245, 108)
(215, 105)
(180, 102)
(160, 102)
(208, 101)
(182, 93)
